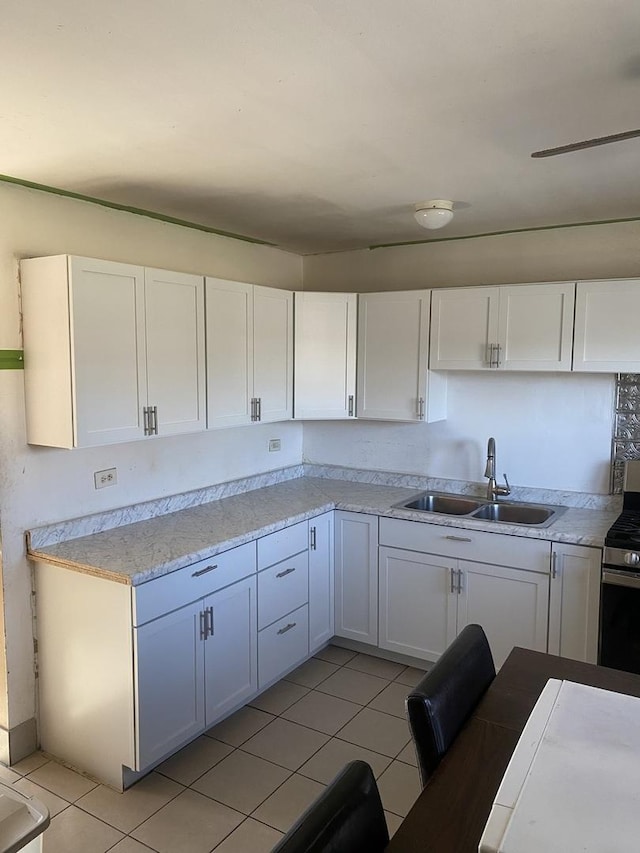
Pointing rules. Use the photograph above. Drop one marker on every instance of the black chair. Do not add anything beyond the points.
(346, 818)
(445, 697)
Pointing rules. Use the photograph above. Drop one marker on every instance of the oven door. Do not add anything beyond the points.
(620, 620)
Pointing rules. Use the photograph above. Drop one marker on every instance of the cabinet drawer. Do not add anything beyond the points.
(495, 548)
(282, 645)
(161, 595)
(282, 588)
(282, 544)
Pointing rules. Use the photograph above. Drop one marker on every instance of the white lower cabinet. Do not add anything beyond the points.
(574, 602)
(426, 599)
(321, 581)
(356, 576)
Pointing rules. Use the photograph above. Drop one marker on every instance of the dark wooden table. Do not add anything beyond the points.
(451, 812)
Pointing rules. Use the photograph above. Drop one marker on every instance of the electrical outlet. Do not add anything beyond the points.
(108, 477)
(274, 444)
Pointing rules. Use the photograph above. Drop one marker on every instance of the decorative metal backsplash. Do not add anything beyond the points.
(626, 427)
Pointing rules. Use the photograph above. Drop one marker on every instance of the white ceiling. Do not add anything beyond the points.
(317, 124)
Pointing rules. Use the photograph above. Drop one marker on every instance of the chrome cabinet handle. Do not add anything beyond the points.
(203, 625)
(494, 355)
(350, 405)
(458, 538)
(498, 350)
(452, 573)
(312, 538)
(209, 621)
(420, 408)
(258, 408)
(154, 420)
(554, 565)
(204, 571)
(285, 572)
(253, 408)
(459, 589)
(145, 420)
(287, 627)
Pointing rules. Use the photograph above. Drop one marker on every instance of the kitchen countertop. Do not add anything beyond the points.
(138, 552)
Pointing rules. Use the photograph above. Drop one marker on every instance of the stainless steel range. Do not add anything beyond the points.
(620, 599)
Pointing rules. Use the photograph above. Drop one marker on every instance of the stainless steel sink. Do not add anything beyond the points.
(445, 504)
(516, 513)
(529, 515)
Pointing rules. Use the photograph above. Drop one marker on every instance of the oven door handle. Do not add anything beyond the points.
(621, 578)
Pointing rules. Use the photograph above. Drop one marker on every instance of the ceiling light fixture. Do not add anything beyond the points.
(434, 214)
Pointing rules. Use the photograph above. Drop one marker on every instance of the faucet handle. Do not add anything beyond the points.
(508, 491)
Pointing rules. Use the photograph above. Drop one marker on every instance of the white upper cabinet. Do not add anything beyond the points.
(113, 352)
(606, 330)
(393, 381)
(325, 355)
(249, 353)
(509, 327)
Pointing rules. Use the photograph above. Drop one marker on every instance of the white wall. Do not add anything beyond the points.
(562, 254)
(552, 431)
(40, 485)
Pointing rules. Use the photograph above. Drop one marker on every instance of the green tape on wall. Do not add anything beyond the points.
(11, 359)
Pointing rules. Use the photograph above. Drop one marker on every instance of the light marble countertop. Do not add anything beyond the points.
(138, 552)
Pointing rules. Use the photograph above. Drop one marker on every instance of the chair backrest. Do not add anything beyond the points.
(346, 818)
(444, 699)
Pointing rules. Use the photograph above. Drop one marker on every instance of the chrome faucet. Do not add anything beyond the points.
(493, 489)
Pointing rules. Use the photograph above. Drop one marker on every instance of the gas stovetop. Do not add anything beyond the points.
(625, 531)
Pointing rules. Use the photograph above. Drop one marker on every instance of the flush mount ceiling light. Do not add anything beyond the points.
(434, 214)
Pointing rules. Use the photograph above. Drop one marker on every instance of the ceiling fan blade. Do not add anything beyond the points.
(587, 143)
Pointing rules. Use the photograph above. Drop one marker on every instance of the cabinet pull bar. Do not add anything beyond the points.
(459, 581)
(285, 572)
(420, 408)
(253, 408)
(209, 621)
(204, 571)
(287, 627)
(203, 625)
(458, 538)
(554, 565)
(258, 408)
(350, 405)
(145, 419)
(498, 348)
(452, 573)
(312, 538)
(154, 413)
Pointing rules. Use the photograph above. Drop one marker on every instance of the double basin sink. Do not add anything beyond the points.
(460, 505)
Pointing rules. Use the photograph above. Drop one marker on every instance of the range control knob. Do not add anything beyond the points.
(631, 558)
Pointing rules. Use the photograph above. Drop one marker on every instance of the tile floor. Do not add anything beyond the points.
(241, 785)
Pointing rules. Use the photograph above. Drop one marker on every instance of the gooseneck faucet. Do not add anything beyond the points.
(493, 489)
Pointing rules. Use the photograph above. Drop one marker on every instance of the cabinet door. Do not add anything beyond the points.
(231, 662)
(273, 353)
(356, 576)
(321, 595)
(108, 353)
(169, 667)
(511, 605)
(574, 603)
(174, 309)
(417, 602)
(325, 355)
(606, 326)
(536, 326)
(229, 352)
(393, 332)
(464, 322)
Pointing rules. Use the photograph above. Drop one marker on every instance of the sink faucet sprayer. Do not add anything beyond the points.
(493, 489)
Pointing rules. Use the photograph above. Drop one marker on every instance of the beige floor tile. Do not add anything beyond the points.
(278, 698)
(288, 802)
(250, 837)
(335, 654)
(332, 757)
(192, 823)
(30, 763)
(391, 700)
(408, 755)
(376, 731)
(61, 781)
(322, 712)
(8, 776)
(312, 672)
(242, 781)
(376, 666)
(74, 831)
(353, 686)
(128, 810)
(285, 743)
(393, 822)
(130, 845)
(193, 760)
(399, 788)
(52, 802)
(240, 726)
(410, 676)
